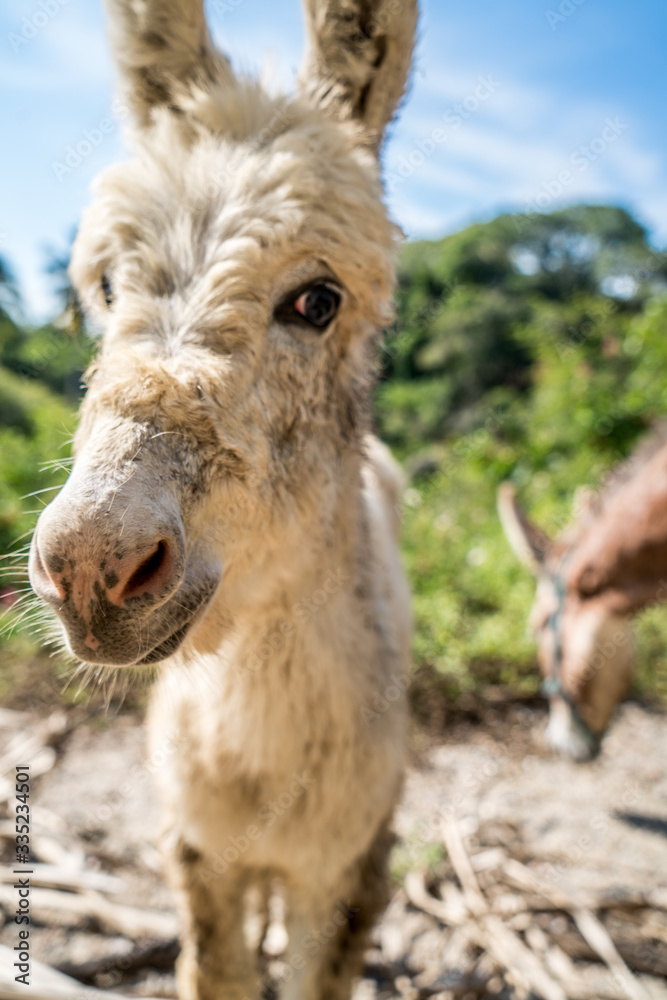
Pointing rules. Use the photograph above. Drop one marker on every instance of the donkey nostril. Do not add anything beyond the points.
(149, 574)
(44, 579)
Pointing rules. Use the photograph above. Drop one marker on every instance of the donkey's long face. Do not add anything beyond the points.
(585, 647)
(585, 652)
(241, 269)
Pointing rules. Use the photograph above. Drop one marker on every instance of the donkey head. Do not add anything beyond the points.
(241, 269)
(585, 645)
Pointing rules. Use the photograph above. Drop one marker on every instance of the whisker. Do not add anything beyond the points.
(45, 489)
(16, 552)
(57, 463)
(30, 531)
(29, 616)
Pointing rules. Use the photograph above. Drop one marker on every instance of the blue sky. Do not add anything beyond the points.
(538, 103)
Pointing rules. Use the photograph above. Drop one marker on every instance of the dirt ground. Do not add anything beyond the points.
(536, 839)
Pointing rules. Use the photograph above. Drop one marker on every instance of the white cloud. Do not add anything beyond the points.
(510, 102)
(514, 148)
(518, 139)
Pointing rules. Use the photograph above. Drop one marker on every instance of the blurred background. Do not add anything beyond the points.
(528, 173)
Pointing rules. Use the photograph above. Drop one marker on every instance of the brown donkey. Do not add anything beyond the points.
(228, 516)
(607, 565)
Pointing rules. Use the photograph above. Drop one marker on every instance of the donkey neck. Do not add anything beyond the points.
(294, 630)
(289, 575)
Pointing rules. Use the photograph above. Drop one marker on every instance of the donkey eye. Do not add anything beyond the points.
(106, 289)
(317, 305)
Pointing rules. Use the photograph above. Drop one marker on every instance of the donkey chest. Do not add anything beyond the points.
(275, 766)
(320, 800)
(273, 733)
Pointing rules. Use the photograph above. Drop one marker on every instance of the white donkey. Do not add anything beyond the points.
(228, 512)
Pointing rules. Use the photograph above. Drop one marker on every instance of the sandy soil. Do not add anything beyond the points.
(580, 828)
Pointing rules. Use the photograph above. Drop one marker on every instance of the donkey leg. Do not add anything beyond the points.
(328, 938)
(215, 962)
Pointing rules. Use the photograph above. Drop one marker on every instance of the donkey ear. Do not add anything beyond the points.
(623, 555)
(164, 54)
(358, 58)
(529, 544)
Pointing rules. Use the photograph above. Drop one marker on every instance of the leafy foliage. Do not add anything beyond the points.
(462, 301)
(40, 383)
(513, 360)
(531, 347)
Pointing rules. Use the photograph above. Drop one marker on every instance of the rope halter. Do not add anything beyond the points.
(552, 685)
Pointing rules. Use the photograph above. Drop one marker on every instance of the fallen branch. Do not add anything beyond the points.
(24, 749)
(503, 944)
(597, 936)
(111, 916)
(54, 877)
(46, 983)
(590, 927)
(11, 719)
(447, 912)
(153, 955)
(522, 877)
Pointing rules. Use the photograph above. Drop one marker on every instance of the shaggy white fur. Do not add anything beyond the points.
(229, 513)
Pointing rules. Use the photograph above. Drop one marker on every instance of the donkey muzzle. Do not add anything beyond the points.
(114, 570)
